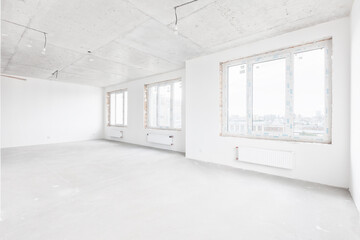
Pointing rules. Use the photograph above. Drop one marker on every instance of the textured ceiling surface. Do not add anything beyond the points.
(131, 39)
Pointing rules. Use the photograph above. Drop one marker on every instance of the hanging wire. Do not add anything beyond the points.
(20, 25)
(181, 5)
(186, 3)
(176, 17)
(45, 40)
(30, 28)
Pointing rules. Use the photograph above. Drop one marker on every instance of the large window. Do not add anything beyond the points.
(163, 105)
(284, 94)
(117, 108)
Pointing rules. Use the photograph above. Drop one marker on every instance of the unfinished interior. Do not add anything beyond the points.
(180, 119)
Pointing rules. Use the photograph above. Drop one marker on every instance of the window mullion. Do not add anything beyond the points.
(171, 105)
(225, 102)
(148, 106)
(289, 112)
(249, 92)
(115, 108)
(109, 109)
(157, 106)
(328, 87)
(123, 107)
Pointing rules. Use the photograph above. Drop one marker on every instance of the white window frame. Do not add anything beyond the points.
(159, 84)
(123, 108)
(288, 54)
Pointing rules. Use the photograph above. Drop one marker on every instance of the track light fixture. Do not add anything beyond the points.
(55, 74)
(33, 29)
(43, 52)
(176, 16)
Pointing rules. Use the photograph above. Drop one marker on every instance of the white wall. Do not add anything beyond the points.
(0, 148)
(135, 132)
(39, 111)
(321, 163)
(355, 103)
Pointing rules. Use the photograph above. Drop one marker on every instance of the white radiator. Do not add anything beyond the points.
(272, 158)
(160, 139)
(116, 133)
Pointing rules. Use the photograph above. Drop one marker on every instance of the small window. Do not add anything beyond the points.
(284, 94)
(163, 105)
(117, 108)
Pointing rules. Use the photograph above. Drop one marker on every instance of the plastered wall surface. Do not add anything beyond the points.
(355, 103)
(322, 163)
(39, 111)
(135, 132)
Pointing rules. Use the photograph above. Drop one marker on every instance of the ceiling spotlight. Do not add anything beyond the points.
(55, 74)
(29, 45)
(4, 35)
(43, 52)
(90, 59)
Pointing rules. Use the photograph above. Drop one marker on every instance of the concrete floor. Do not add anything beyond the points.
(108, 190)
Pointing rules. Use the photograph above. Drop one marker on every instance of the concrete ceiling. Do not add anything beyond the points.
(131, 39)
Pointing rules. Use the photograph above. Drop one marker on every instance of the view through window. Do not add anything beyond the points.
(280, 95)
(164, 105)
(117, 108)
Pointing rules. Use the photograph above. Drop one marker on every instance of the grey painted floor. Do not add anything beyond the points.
(106, 190)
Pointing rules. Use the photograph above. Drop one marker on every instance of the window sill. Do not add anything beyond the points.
(280, 139)
(123, 126)
(168, 129)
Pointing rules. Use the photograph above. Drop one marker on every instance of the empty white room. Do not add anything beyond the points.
(180, 120)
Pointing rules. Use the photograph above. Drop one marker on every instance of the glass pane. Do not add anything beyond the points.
(112, 109)
(309, 93)
(119, 119)
(237, 99)
(177, 105)
(164, 106)
(152, 106)
(269, 79)
(126, 107)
